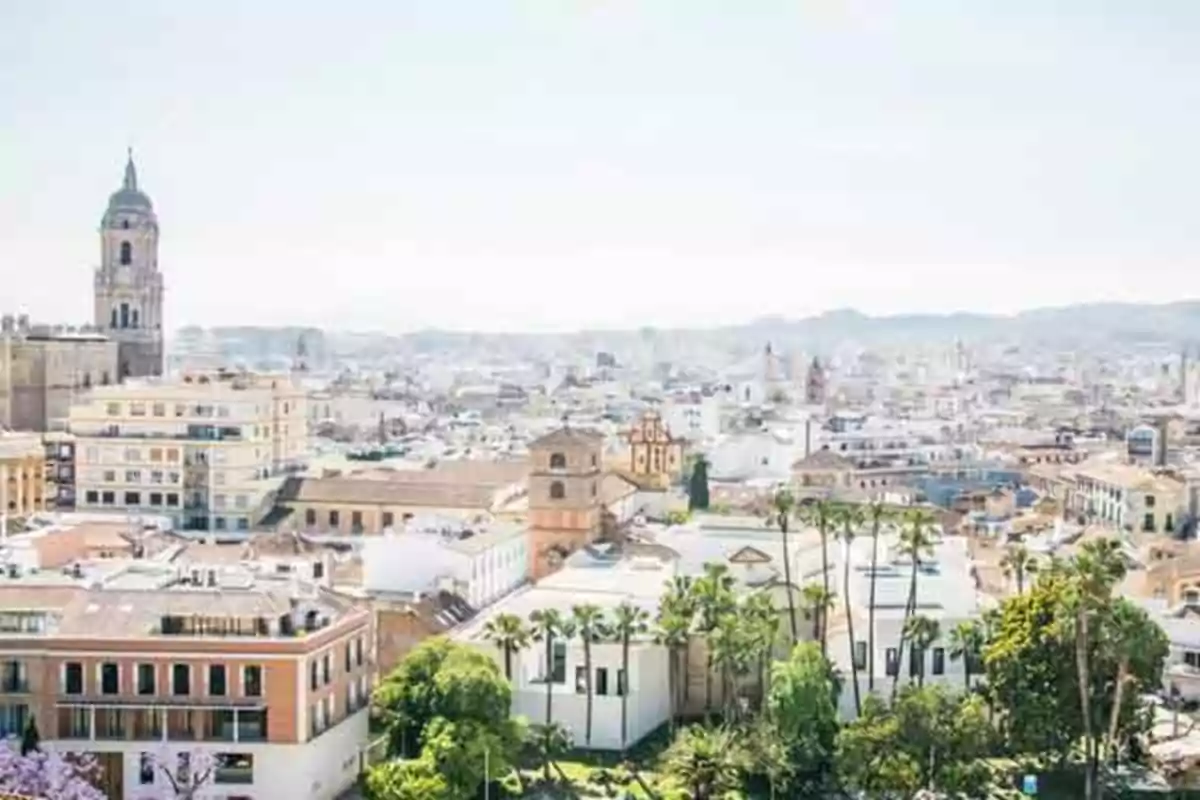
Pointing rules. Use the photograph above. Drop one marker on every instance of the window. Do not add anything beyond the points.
(237, 768)
(158, 410)
(110, 678)
(622, 686)
(1192, 659)
(558, 461)
(133, 498)
(108, 498)
(1148, 523)
(358, 652)
(146, 769)
(892, 662)
(916, 662)
(172, 499)
(313, 675)
(326, 669)
(333, 519)
(601, 687)
(216, 680)
(1149, 501)
(92, 497)
(110, 476)
(181, 680)
(113, 409)
(389, 519)
(156, 476)
(137, 409)
(133, 476)
(860, 655)
(73, 678)
(580, 680)
(558, 663)
(318, 570)
(252, 681)
(310, 517)
(349, 657)
(126, 257)
(145, 679)
(557, 490)
(156, 498)
(356, 521)
(939, 661)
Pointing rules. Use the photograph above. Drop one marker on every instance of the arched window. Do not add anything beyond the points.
(126, 253)
(558, 461)
(133, 318)
(557, 490)
(124, 315)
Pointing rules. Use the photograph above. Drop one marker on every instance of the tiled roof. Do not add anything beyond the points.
(823, 459)
(569, 437)
(386, 492)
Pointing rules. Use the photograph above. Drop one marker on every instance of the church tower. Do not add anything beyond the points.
(128, 285)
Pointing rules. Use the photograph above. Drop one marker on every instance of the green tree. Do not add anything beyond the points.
(922, 631)
(916, 541)
(879, 514)
(676, 618)
(509, 633)
(548, 627)
(589, 625)
(850, 518)
(817, 602)
(802, 709)
(966, 643)
(549, 743)
(406, 780)
(31, 739)
(714, 598)
(784, 506)
(629, 622)
(1018, 563)
(707, 762)
(761, 620)
(698, 486)
(820, 514)
(731, 653)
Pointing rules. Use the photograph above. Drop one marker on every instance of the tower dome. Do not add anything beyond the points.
(129, 200)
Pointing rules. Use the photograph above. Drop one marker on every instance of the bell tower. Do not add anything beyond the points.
(128, 286)
(564, 495)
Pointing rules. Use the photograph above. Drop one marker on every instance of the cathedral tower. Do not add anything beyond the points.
(128, 285)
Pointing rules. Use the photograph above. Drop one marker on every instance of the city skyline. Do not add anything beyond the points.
(539, 167)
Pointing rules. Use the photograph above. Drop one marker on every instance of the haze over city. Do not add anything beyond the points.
(555, 165)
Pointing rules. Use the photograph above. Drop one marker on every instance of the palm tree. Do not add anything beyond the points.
(509, 633)
(714, 597)
(784, 504)
(817, 602)
(916, 541)
(1098, 567)
(588, 620)
(1017, 563)
(550, 742)
(879, 513)
(761, 620)
(922, 632)
(850, 519)
(820, 514)
(628, 621)
(680, 599)
(731, 654)
(705, 761)
(1129, 638)
(548, 626)
(672, 631)
(966, 642)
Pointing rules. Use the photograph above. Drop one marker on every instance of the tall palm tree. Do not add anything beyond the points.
(509, 633)
(714, 597)
(879, 513)
(966, 642)
(1017, 563)
(820, 514)
(1098, 567)
(817, 602)
(680, 598)
(548, 625)
(672, 632)
(1129, 638)
(588, 620)
(850, 518)
(922, 631)
(916, 541)
(784, 505)
(762, 630)
(628, 621)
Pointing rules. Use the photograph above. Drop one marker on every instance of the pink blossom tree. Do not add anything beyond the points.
(186, 771)
(47, 775)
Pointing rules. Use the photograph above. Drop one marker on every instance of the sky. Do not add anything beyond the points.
(557, 164)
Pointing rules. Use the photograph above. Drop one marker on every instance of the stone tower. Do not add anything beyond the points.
(565, 502)
(128, 285)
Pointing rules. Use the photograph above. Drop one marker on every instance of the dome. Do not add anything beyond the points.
(129, 197)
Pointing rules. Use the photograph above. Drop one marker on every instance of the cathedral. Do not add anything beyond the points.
(128, 285)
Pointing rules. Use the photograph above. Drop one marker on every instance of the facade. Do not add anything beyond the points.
(60, 470)
(22, 476)
(814, 384)
(654, 453)
(565, 502)
(139, 665)
(208, 450)
(44, 369)
(128, 286)
(1129, 497)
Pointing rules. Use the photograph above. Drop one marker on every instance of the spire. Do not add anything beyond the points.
(130, 173)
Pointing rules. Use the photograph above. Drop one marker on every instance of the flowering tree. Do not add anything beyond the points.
(47, 775)
(186, 771)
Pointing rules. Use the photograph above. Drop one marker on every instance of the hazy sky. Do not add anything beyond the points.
(555, 163)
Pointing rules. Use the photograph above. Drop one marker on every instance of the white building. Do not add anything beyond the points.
(480, 563)
(695, 421)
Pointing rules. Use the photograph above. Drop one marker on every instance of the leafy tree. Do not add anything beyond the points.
(731, 653)
(784, 504)
(510, 634)
(31, 740)
(707, 762)
(676, 617)
(589, 626)
(966, 642)
(817, 602)
(802, 709)
(879, 514)
(47, 775)
(406, 780)
(714, 598)
(1017, 564)
(548, 625)
(761, 621)
(850, 518)
(820, 514)
(916, 541)
(922, 631)
(698, 485)
(461, 750)
(629, 621)
(549, 743)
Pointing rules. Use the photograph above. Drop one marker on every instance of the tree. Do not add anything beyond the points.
(698, 486)
(761, 621)
(820, 514)
(549, 743)
(802, 709)
(966, 643)
(676, 617)
(548, 625)
(784, 504)
(879, 514)
(850, 518)
(730, 651)
(406, 780)
(589, 626)
(707, 762)
(671, 631)
(509, 633)
(628, 621)
(31, 740)
(714, 597)
(47, 775)
(1017, 563)
(187, 772)
(916, 541)
(922, 632)
(817, 602)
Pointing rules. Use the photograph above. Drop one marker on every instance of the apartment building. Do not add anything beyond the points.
(207, 450)
(22, 475)
(147, 663)
(1131, 497)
